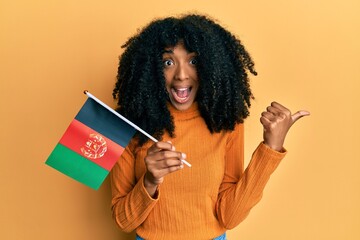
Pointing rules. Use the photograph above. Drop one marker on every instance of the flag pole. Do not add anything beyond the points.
(126, 120)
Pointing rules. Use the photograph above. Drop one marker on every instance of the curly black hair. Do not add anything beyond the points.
(222, 64)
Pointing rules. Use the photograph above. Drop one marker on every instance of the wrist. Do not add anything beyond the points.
(150, 186)
(148, 183)
(275, 147)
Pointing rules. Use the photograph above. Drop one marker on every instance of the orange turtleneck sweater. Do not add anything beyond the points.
(200, 202)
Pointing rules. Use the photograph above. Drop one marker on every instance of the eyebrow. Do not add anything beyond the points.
(171, 51)
(168, 51)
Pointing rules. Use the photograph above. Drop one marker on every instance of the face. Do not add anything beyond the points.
(181, 77)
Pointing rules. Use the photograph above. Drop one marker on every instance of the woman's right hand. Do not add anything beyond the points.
(161, 159)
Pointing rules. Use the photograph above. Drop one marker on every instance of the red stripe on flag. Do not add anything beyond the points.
(91, 144)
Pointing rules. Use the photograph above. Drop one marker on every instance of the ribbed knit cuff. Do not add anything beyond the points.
(145, 194)
(273, 154)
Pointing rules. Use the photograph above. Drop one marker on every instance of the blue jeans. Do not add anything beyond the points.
(222, 237)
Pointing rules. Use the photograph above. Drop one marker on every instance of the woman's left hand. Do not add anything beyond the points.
(277, 121)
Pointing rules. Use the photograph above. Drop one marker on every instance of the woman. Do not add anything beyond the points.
(185, 81)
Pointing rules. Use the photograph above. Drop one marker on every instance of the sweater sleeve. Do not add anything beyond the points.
(241, 190)
(131, 203)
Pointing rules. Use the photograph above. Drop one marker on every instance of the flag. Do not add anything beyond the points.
(92, 144)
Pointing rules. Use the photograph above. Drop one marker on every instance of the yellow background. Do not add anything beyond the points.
(307, 55)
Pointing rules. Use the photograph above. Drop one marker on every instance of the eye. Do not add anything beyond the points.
(193, 61)
(168, 62)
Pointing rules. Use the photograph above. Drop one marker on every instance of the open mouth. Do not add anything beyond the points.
(181, 95)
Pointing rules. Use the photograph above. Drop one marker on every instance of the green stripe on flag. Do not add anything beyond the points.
(77, 167)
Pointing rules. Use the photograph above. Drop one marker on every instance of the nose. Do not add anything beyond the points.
(181, 72)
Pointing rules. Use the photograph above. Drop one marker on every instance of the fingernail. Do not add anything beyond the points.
(183, 155)
(172, 146)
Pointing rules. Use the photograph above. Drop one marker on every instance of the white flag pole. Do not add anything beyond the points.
(126, 120)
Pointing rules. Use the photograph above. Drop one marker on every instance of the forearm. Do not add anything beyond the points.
(237, 199)
(131, 210)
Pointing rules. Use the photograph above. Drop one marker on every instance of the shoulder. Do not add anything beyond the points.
(238, 129)
(237, 134)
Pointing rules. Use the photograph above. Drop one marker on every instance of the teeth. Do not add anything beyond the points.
(181, 94)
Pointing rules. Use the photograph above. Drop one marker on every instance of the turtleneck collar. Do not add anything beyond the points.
(187, 114)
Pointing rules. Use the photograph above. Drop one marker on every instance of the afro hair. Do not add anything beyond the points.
(222, 66)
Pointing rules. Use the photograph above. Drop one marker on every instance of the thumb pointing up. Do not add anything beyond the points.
(299, 114)
(277, 121)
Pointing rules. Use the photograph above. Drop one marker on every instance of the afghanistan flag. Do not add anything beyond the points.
(92, 144)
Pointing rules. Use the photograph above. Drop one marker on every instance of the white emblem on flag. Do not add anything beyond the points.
(95, 147)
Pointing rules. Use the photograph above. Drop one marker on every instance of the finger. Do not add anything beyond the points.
(169, 163)
(279, 106)
(265, 122)
(172, 146)
(170, 155)
(165, 171)
(162, 160)
(268, 115)
(273, 110)
(161, 146)
(280, 110)
(299, 114)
